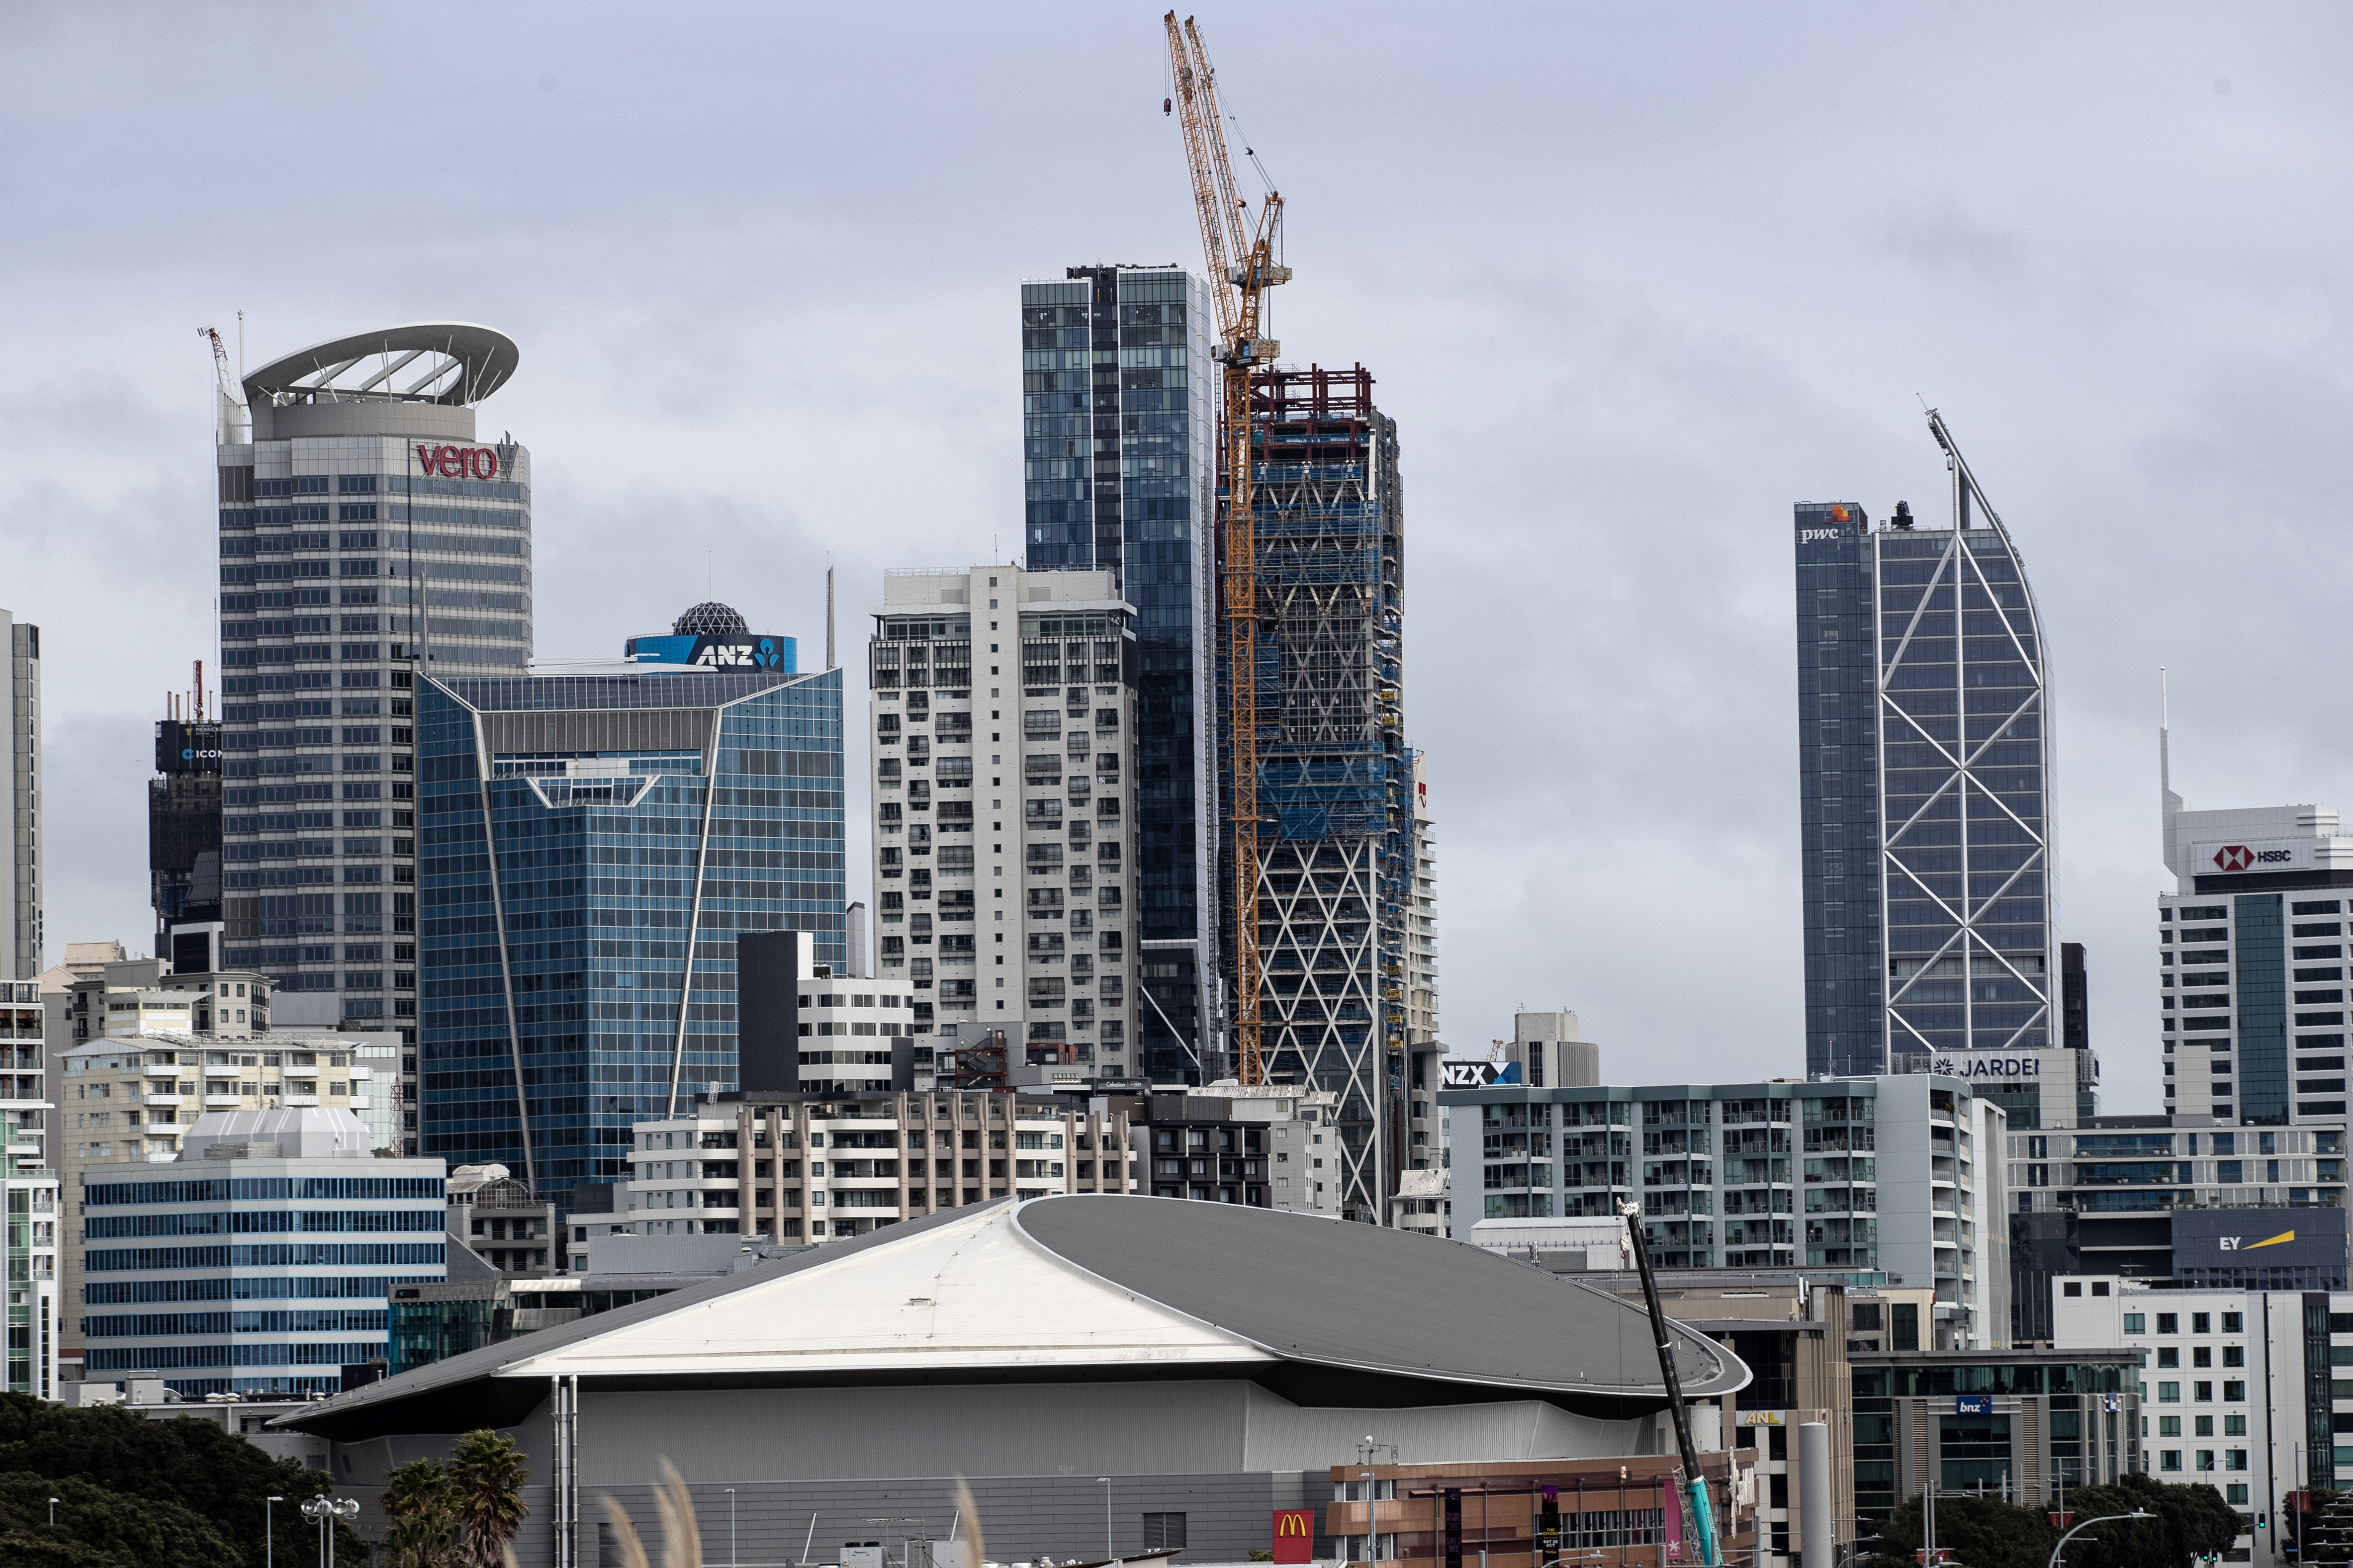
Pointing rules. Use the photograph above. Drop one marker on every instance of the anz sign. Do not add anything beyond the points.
(727, 651)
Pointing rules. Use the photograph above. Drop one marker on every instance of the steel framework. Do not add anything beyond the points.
(1965, 818)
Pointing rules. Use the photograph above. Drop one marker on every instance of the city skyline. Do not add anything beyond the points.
(1684, 396)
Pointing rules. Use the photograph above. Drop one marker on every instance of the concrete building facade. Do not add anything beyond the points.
(1003, 709)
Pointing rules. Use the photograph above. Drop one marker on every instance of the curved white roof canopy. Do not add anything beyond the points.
(1112, 1288)
(421, 361)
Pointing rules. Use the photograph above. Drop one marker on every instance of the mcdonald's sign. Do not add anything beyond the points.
(1294, 1536)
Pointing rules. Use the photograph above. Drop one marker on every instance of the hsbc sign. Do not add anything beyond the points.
(458, 462)
(2251, 857)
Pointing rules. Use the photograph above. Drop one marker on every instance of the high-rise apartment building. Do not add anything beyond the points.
(1923, 770)
(1003, 713)
(28, 1188)
(1119, 426)
(20, 799)
(1334, 887)
(640, 818)
(368, 535)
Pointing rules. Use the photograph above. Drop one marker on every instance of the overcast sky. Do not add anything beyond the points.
(1632, 279)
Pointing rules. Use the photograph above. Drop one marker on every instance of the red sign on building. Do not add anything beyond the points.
(1294, 1536)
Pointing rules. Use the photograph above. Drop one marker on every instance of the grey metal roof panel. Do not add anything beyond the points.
(1372, 1299)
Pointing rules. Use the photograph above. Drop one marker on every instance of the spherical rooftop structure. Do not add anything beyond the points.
(710, 620)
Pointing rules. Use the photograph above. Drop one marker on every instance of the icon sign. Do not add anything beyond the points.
(2234, 858)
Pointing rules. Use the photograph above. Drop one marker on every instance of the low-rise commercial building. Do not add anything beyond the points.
(2025, 1420)
(261, 1260)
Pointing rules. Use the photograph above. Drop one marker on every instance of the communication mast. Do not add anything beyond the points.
(1242, 267)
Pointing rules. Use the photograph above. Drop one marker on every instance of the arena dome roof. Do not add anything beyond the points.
(1079, 1287)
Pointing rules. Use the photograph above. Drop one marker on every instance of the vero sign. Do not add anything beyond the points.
(459, 462)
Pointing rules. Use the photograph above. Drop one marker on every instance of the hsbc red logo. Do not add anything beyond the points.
(459, 462)
(2238, 856)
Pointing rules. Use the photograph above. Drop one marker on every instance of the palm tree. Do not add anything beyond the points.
(417, 1498)
(487, 1473)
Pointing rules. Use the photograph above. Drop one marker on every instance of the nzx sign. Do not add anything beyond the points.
(459, 462)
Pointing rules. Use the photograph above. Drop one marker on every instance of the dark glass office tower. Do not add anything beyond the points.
(1119, 422)
(1923, 764)
(636, 819)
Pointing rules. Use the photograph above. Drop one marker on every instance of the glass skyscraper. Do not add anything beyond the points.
(367, 536)
(636, 818)
(1924, 767)
(1118, 423)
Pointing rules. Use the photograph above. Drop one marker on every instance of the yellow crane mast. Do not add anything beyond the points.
(1242, 267)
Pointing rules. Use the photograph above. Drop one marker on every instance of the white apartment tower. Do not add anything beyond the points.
(1002, 713)
(1421, 933)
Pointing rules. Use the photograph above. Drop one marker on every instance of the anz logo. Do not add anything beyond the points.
(762, 655)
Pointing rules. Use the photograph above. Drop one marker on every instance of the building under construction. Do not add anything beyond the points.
(1334, 775)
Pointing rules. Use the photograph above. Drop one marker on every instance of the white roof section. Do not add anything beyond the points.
(300, 1133)
(973, 1292)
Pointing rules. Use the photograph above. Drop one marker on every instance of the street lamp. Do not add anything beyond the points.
(327, 1510)
(53, 1510)
(2104, 1518)
(269, 1532)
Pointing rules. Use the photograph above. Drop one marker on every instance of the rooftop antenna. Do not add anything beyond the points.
(829, 663)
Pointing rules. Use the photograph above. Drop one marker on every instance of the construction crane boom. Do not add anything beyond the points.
(1243, 267)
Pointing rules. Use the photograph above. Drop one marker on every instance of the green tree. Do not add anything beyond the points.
(1983, 1532)
(487, 1474)
(188, 1462)
(2191, 1520)
(417, 1500)
(99, 1529)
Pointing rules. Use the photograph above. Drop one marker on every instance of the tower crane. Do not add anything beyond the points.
(232, 414)
(1240, 256)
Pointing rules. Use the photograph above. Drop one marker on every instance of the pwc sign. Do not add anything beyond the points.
(1294, 1536)
(458, 462)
